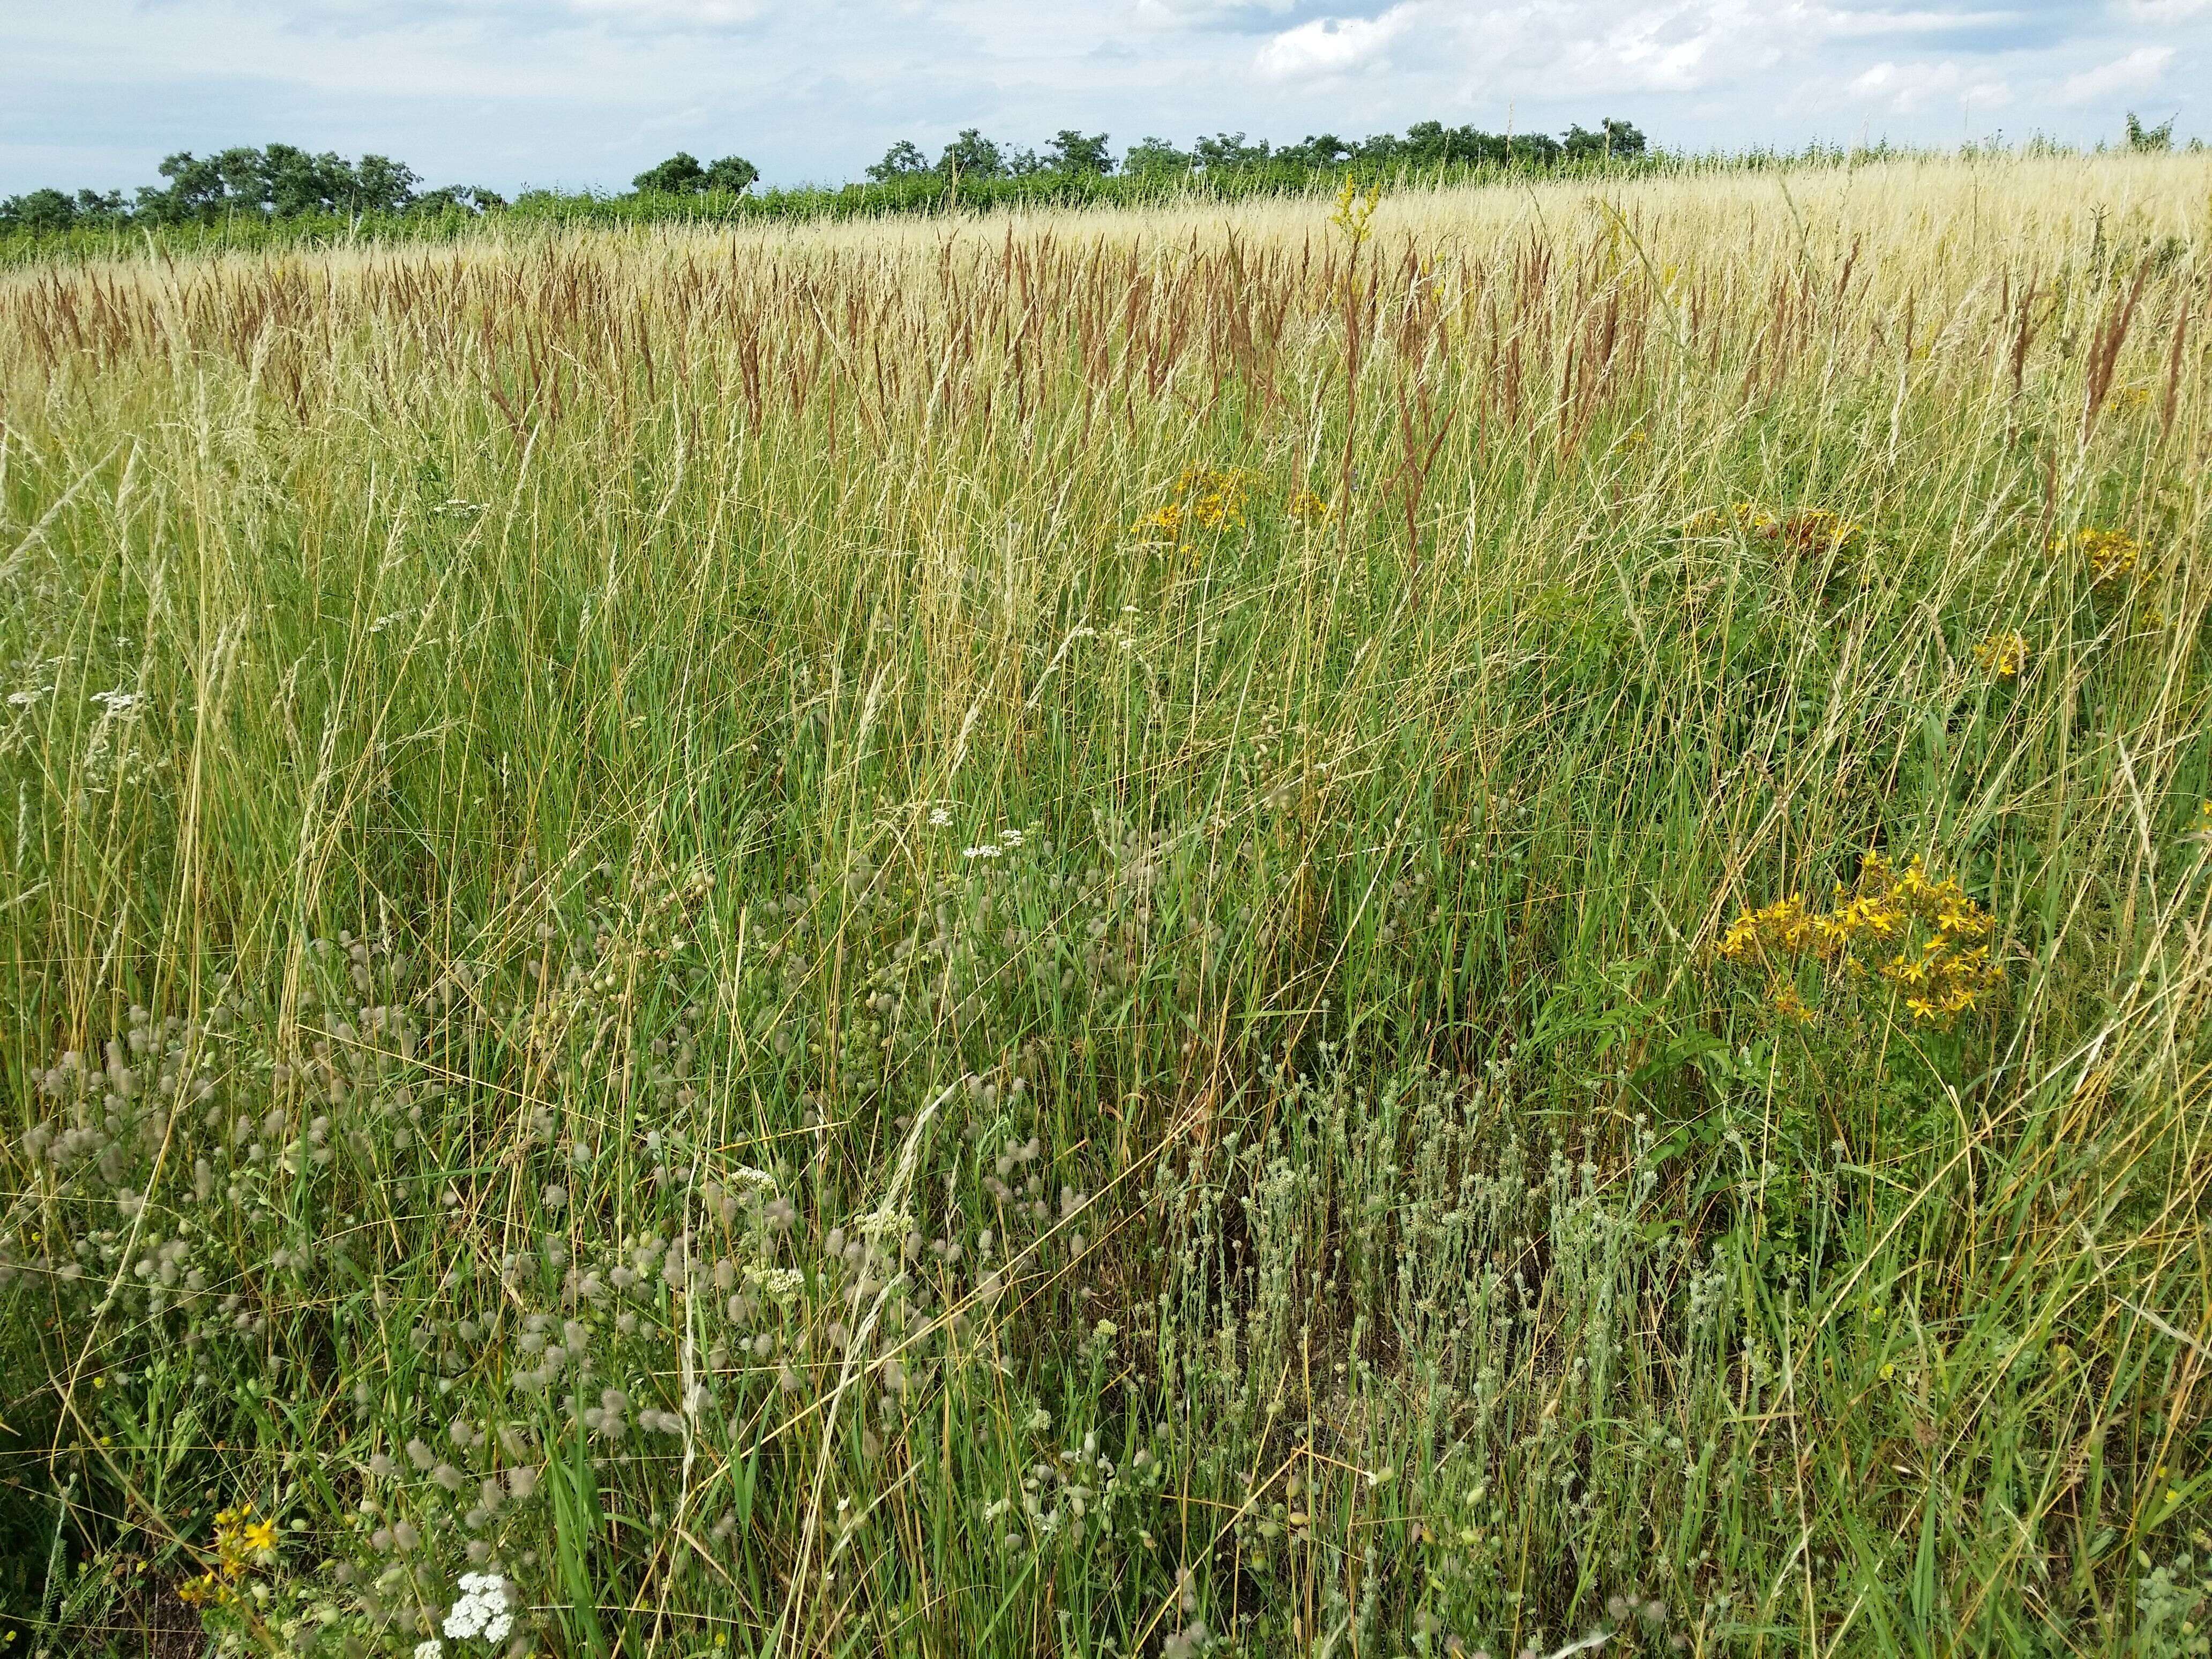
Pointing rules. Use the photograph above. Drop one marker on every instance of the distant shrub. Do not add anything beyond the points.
(2152, 140)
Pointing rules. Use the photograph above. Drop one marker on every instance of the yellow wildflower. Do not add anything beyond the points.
(1354, 211)
(1161, 525)
(1816, 530)
(2002, 654)
(1784, 999)
(1204, 497)
(1929, 929)
(2111, 554)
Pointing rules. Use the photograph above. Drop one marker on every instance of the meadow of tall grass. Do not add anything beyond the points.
(1469, 925)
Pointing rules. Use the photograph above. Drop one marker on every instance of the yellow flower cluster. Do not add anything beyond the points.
(1309, 509)
(2111, 554)
(1161, 524)
(1808, 529)
(1354, 211)
(2002, 654)
(1206, 498)
(1786, 1000)
(1923, 935)
(242, 1542)
(1815, 530)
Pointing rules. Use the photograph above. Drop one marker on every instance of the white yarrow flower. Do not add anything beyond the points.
(431, 1648)
(482, 1611)
(780, 1283)
(987, 850)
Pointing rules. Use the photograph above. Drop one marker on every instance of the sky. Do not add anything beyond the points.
(587, 93)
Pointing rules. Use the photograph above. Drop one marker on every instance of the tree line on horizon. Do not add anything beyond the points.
(1426, 144)
(280, 181)
(283, 182)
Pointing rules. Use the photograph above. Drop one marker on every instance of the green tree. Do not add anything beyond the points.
(679, 175)
(384, 185)
(1317, 150)
(902, 160)
(101, 207)
(1227, 152)
(732, 174)
(38, 209)
(1070, 151)
(971, 155)
(197, 189)
(1612, 139)
(280, 180)
(1431, 144)
(1154, 157)
(243, 173)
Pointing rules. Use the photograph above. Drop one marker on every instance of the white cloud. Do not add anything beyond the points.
(1680, 48)
(1332, 45)
(1905, 88)
(1179, 13)
(1477, 55)
(677, 14)
(1850, 25)
(2140, 70)
(2165, 11)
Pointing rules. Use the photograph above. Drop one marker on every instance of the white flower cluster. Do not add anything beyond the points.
(1007, 838)
(888, 1219)
(482, 1610)
(780, 1283)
